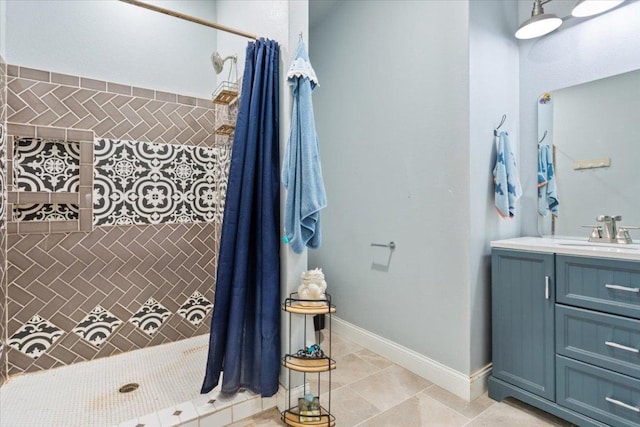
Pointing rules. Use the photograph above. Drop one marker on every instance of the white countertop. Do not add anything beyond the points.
(571, 246)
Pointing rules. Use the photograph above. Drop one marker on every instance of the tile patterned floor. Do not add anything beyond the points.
(370, 391)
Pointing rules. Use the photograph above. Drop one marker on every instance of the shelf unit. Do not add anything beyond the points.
(295, 307)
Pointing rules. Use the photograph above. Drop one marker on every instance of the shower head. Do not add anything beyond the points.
(218, 62)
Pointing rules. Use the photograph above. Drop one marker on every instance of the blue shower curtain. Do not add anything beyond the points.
(245, 328)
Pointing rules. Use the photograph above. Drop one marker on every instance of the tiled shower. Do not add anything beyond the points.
(3, 220)
(115, 201)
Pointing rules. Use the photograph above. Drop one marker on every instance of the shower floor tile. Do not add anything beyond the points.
(86, 394)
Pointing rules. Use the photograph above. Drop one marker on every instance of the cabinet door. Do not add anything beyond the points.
(523, 320)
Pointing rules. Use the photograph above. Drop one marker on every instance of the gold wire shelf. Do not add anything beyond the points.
(226, 93)
(225, 128)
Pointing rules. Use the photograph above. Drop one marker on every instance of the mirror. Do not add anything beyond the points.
(593, 133)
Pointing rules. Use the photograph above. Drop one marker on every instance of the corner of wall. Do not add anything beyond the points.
(494, 86)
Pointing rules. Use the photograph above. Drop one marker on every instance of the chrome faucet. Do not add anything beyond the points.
(609, 228)
(609, 232)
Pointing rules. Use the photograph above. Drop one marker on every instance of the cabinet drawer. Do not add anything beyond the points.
(598, 393)
(605, 340)
(606, 285)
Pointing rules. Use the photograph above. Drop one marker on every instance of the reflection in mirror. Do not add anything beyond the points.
(593, 133)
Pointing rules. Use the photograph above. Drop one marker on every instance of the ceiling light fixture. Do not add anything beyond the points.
(593, 7)
(539, 24)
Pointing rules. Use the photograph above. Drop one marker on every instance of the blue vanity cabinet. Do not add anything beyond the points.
(566, 334)
(523, 320)
(606, 285)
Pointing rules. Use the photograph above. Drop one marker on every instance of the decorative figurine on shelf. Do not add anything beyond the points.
(313, 287)
(309, 407)
(312, 352)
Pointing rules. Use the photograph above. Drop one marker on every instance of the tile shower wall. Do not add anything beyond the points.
(151, 183)
(144, 276)
(45, 165)
(3, 217)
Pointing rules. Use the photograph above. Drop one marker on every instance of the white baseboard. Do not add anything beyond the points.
(462, 385)
(283, 396)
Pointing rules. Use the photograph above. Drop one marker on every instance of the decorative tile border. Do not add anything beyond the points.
(153, 183)
(150, 317)
(54, 176)
(97, 326)
(46, 165)
(46, 212)
(195, 309)
(35, 337)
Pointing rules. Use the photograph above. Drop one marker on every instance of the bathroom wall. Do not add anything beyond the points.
(119, 287)
(602, 46)
(493, 89)
(417, 125)
(393, 127)
(117, 42)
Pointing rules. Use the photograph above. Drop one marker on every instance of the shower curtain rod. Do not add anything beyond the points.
(190, 18)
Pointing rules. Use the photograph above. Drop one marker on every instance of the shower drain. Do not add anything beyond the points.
(128, 388)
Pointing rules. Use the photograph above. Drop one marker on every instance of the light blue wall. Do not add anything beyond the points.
(115, 41)
(3, 28)
(493, 88)
(393, 124)
(600, 47)
(437, 296)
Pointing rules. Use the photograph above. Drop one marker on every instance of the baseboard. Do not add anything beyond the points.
(462, 385)
(285, 397)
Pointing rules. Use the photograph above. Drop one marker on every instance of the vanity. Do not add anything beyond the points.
(566, 328)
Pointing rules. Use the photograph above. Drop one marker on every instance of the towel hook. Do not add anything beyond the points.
(504, 118)
(543, 137)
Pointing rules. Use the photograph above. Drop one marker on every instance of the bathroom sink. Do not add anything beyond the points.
(598, 245)
(571, 246)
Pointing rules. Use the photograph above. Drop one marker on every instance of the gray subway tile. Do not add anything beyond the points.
(65, 79)
(33, 74)
(93, 84)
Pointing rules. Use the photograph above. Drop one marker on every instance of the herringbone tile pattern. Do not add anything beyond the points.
(62, 277)
(111, 110)
(3, 222)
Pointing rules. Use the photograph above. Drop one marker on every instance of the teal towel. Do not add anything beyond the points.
(507, 187)
(547, 191)
(301, 169)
